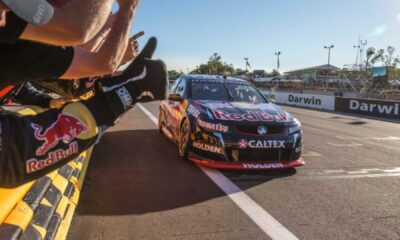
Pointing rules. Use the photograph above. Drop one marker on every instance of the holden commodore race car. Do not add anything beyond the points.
(225, 122)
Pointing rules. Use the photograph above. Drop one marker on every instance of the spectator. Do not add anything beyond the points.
(28, 61)
(64, 22)
(33, 146)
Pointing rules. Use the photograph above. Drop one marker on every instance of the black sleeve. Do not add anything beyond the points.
(32, 146)
(67, 88)
(27, 94)
(29, 61)
(14, 28)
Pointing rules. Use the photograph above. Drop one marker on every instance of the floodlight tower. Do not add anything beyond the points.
(329, 62)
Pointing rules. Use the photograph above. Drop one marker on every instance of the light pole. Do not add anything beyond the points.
(362, 50)
(246, 59)
(329, 62)
(278, 64)
(358, 52)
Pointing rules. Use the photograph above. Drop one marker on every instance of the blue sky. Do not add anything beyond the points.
(189, 31)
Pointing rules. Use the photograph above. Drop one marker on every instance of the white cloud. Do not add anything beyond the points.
(398, 17)
(379, 30)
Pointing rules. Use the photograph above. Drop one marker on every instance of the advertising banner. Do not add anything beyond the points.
(303, 100)
(370, 107)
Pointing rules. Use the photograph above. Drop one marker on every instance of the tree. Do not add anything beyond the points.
(173, 74)
(275, 73)
(388, 58)
(215, 66)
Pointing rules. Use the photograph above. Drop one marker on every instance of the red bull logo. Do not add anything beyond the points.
(65, 129)
(33, 165)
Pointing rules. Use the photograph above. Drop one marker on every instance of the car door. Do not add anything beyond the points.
(173, 111)
(176, 107)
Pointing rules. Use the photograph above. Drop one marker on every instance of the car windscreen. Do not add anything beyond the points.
(226, 92)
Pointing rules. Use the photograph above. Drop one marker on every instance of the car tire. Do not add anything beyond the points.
(184, 139)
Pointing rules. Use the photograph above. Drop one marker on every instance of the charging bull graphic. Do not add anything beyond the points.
(66, 128)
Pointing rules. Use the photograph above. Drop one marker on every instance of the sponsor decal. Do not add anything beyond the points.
(125, 97)
(251, 116)
(243, 144)
(206, 147)
(298, 149)
(262, 166)
(194, 111)
(219, 105)
(305, 100)
(55, 156)
(261, 144)
(216, 127)
(387, 109)
(65, 129)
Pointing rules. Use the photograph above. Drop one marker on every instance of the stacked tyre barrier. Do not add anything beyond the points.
(43, 209)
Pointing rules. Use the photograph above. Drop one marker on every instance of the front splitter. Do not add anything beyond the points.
(249, 165)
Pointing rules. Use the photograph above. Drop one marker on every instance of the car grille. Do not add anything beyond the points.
(252, 129)
(263, 155)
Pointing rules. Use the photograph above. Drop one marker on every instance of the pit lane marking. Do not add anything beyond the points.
(255, 212)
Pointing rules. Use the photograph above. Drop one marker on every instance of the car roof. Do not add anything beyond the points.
(213, 78)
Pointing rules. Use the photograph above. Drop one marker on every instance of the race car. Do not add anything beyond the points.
(225, 122)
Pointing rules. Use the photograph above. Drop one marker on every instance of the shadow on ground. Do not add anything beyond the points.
(139, 171)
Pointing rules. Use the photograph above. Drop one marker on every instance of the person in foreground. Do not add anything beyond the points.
(32, 146)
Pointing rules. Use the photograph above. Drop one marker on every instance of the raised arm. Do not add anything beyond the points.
(110, 55)
(73, 23)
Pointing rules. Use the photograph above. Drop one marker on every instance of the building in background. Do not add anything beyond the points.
(314, 75)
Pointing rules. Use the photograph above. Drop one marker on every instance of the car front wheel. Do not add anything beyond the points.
(184, 139)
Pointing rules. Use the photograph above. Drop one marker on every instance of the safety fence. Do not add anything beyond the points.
(43, 209)
(368, 107)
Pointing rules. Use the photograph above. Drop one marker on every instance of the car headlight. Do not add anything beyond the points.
(296, 127)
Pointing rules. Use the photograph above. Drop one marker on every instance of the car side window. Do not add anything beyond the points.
(181, 88)
(174, 85)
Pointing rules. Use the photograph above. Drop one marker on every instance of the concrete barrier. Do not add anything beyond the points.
(384, 109)
(323, 102)
(369, 107)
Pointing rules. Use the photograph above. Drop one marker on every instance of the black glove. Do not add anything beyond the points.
(143, 80)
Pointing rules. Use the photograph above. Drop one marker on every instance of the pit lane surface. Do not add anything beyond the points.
(138, 188)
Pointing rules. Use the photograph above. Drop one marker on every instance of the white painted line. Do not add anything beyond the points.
(377, 175)
(345, 145)
(257, 214)
(335, 171)
(311, 154)
(395, 170)
(148, 114)
(262, 218)
(390, 138)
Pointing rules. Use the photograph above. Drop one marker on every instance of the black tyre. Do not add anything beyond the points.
(184, 139)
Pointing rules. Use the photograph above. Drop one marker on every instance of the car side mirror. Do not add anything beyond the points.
(175, 97)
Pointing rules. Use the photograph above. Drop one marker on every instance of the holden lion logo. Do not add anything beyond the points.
(262, 130)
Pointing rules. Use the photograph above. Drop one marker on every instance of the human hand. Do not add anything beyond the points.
(133, 48)
(128, 3)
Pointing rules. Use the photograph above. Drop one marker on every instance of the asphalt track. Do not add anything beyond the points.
(138, 187)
